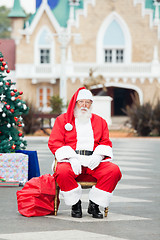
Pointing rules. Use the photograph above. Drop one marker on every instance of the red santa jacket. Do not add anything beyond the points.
(62, 143)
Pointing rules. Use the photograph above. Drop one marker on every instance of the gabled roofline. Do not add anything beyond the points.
(43, 8)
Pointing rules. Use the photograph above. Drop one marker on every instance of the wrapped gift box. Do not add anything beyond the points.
(14, 167)
(9, 184)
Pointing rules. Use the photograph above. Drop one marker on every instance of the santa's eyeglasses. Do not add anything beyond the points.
(84, 102)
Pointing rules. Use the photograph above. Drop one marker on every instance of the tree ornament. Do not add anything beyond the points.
(13, 146)
(10, 138)
(16, 119)
(21, 145)
(3, 115)
(8, 125)
(8, 71)
(7, 83)
(8, 107)
(1, 105)
(2, 96)
(1, 110)
(20, 134)
(1, 83)
(6, 66)
(3, 64)
(1, 59)
(19, 104)
(2, 68)
(13, 98)
(19, 125)
(12, 110)
(20, 118)
(24, 106)
(15, 90)
(20, 92)
(12, 93)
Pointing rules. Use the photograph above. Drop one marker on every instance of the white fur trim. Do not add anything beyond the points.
(100, 197)
(72, 197)
(84, 94)
(104, 150)
(85, 137)
(64, 152)
(68, 127)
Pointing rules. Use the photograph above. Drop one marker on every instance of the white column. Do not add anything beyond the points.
(63, 39)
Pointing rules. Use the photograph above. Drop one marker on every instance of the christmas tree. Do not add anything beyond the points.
(11, 109)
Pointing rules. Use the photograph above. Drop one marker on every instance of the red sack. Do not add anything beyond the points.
(36, 198)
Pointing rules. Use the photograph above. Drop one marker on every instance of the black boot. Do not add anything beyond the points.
(93, 209)
(77, 210)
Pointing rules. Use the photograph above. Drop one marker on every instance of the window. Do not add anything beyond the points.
(44, 56)
(114, 43)
(108, 56)
(44, 48)
(44, 94)
(114, 55)
(119, 55)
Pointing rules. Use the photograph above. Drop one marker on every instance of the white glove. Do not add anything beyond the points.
(76, 166)
(94, 161)
(84, 160)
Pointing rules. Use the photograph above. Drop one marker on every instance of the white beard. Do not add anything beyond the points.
(81, 115)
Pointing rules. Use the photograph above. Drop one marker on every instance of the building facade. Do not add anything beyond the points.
(64, 41)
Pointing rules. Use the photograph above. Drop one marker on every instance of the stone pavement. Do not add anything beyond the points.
(133, 213)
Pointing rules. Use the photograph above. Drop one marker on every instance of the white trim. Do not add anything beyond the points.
(85, 136)
(100, 197)
(50, 46)
(80, 12)
(104, 150)
(73, 196)
(43, 7)
(101, 32)
(64, 152)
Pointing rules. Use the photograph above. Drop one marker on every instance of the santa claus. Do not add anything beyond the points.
(80, 142)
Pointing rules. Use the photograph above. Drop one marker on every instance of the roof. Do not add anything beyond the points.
(60, 9)
(7, 48)
(17, 10)
(149, 4)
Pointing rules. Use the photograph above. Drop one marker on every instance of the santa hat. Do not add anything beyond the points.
(81, 93)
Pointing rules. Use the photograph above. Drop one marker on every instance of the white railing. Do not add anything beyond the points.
(114, 68)
(82, 69)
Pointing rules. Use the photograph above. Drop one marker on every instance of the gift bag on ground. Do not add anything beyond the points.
(36, 198)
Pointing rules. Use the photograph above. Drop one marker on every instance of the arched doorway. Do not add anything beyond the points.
(121, 98)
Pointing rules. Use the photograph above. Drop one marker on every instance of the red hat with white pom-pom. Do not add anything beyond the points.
(81, 93)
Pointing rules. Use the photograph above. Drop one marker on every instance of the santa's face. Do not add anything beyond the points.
(84, 104)
(82, 110)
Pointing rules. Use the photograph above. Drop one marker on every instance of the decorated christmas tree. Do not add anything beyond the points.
(11, 109)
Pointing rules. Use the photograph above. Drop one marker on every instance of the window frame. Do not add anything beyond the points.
(43, 100)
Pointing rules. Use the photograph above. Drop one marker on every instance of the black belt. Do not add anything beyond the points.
(84, 152)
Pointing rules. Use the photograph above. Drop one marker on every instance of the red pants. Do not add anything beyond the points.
(107, 175)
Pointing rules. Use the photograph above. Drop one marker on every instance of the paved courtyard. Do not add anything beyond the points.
(134, 212)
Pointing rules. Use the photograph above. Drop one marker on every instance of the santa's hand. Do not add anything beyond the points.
(94, 161)
(76, 166)
(83, 159)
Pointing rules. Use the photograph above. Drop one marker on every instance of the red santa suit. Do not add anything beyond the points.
(68, 135)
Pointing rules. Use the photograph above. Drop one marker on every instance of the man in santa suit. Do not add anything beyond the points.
(80, 142)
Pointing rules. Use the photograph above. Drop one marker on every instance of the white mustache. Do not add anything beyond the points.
(84, 108)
